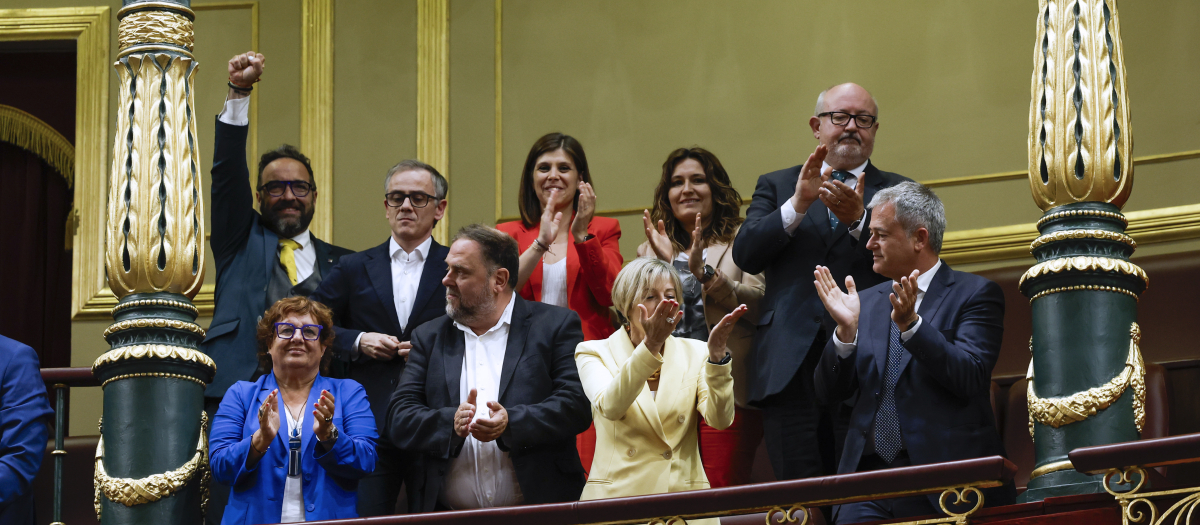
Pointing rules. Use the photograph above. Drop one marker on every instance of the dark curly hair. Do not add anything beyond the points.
(726, 201)
(531, 207)
(298, 305)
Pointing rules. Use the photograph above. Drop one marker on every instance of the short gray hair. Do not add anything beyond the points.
(821, 101)
(635, 280)
(916, 206)
(440, 186)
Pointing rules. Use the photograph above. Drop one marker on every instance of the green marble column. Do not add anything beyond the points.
(152, 462)
(1086, 375)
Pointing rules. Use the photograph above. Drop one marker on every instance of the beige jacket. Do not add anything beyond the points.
(731, 288)
(647, 444)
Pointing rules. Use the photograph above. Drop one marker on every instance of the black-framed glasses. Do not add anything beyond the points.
(310, 332)
(419, 199)
(276, 188)
(839, 118)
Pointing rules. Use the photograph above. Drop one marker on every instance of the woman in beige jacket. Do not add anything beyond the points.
(695, 218)
(648, 387)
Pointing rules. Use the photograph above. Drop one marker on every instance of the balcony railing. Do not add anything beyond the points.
(60, 380)
(1125, 464)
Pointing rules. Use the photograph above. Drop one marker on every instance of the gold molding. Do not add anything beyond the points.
(316, 106)
(153, 351)
(130, 492)
(433, 92)
(143, 322)
(1085, 264)
(1063, 235)
(252, 136)
(1080, 288)
(1051, 467)
(89, 28)
(1060, 411)
(30, 133)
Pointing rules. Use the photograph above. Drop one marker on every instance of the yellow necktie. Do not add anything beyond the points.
(287, 256)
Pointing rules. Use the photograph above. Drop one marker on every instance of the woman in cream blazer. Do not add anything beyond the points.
(648, 388)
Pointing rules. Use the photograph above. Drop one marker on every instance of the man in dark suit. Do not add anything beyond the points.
(920, 350)
(491, 399)
(378, 297)
(23, 430)
(260, 258)
(802, 217)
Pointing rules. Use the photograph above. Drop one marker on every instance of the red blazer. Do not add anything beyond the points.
(592, 268)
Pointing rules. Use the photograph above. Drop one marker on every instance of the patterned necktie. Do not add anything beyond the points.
(287, 257)
(887, 424)
(841, 177)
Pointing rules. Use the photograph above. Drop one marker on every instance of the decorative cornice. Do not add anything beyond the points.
(153, 351)
(1082, 234)
(1085, 264)
(130, 324)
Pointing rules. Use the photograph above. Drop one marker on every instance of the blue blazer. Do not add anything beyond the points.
(359, 291)
(791, 312)
(942, 395)
(330, 478)
(24, 412)
(245, 254)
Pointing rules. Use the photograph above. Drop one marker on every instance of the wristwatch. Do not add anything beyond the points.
(854, 225)
(333, 435)
(709, 272)
(725, 360)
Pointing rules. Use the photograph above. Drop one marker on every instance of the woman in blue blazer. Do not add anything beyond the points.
(294, 443)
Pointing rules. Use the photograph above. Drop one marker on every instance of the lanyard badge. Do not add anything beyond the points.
(294, 452)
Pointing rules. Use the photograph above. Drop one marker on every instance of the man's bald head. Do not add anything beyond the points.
(850, 86)
(849, 145)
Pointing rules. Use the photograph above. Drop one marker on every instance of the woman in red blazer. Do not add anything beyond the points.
(569, 257)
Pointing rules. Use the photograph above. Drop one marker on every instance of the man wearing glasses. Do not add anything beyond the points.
(378, 297)
(261, 256)
(800, 218)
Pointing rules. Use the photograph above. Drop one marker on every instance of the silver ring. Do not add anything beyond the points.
(329, 419)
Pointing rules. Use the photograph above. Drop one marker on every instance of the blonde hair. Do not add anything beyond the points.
(636, 279)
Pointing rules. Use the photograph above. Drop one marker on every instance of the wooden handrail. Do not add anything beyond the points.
(1144, 453)
(780, 496)
(73, 377)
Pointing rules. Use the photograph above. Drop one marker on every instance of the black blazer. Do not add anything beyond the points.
(246, 254)
(359, 291)
(792, 313)
(539, 387)
(943, 393)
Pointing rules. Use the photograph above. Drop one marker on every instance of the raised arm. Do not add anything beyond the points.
(232, 199)
(612, 395)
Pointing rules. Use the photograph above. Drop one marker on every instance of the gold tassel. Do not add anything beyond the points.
(32, 134)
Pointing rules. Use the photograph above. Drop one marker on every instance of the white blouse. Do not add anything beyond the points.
(293, 494)
(554, 283)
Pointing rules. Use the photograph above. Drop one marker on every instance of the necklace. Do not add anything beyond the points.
(654, 376)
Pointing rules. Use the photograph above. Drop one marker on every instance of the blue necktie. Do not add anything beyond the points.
(839, 176)
(887, 424)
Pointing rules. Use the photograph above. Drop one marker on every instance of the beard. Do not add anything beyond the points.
(848, 148)
(285, 226)
(472, 306)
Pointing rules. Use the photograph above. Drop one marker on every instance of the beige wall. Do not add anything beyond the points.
(634, 79)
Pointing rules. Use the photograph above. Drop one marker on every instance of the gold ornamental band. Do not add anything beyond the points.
(153, 374)
(130, 492)
(130, 324)
(1085, 264)
(168, 6)
(1082, 234)
(153, 351)
(155, 302)
(1051, 467)
(1083, 213)
(1084, 287)
(155, 27)
(147, 48)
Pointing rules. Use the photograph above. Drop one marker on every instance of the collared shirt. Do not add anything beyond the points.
(236, 112)
(845, 349)
(406, 278)
(482, 475)
(306, 255)
(791, 219)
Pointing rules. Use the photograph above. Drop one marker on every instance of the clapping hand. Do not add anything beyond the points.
(492, 427)
(904, 300)
(464, 415)
(659, 242)
(842, 306)
(246, 68)
(720, 333)
(323, 416)
(659, 324)
(584, 210)
(551, 219)
(696, 251)
(268, 423)
(845, 203)
(808, 185)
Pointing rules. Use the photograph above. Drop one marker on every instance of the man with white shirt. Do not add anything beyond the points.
(260, 258)
(919, 349)
(490, 401)
(378, 297)
(800, 218)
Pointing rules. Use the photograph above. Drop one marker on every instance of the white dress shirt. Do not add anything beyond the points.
(845, 349)
(791, 219)
(554, 283)
(482, 475)
(306, 255)
(236, 112)
(406, 278)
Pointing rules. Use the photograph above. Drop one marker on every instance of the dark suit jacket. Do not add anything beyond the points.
(539, 388)
(792, 313)
(246, 253)
(942, 395)
(359, 291)
(24, 414)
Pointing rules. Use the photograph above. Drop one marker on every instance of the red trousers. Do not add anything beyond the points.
(728, 455)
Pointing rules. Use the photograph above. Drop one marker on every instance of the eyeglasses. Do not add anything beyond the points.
(276, 188)
(419, 199)
(310, 332)
(839, 118)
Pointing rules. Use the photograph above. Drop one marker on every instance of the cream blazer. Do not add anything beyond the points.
(721, 297)
(646, 444)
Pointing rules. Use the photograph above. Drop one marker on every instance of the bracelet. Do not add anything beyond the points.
(543, 246)
(264, 451)
(240, 89)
